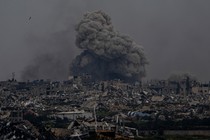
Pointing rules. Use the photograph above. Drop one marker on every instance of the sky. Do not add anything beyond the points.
(174, 33)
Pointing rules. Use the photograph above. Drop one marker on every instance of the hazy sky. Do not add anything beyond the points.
(175, 34)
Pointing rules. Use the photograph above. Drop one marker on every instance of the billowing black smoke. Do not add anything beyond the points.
(107, 54)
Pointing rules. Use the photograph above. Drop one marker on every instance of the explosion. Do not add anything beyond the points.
(106, 54)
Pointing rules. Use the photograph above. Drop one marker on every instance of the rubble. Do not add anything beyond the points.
(44, 109)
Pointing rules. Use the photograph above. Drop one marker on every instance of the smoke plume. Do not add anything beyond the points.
(107, 54)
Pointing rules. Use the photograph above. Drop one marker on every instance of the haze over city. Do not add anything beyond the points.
(39, 36)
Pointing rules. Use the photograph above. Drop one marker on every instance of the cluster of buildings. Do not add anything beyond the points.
(82, 108)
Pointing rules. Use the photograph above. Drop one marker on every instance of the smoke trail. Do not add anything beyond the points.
(107, 54)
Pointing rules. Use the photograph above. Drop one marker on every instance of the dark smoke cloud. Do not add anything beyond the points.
(53, 48)
(107, 53)
(46, 66)
(175, 33)
(51, 63)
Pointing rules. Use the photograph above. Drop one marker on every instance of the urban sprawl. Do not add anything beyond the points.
(81, 108)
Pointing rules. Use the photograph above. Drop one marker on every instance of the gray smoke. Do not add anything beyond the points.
(175, 33)
(45, 66)
(107, 54)
(54, 62)
(180, 76)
